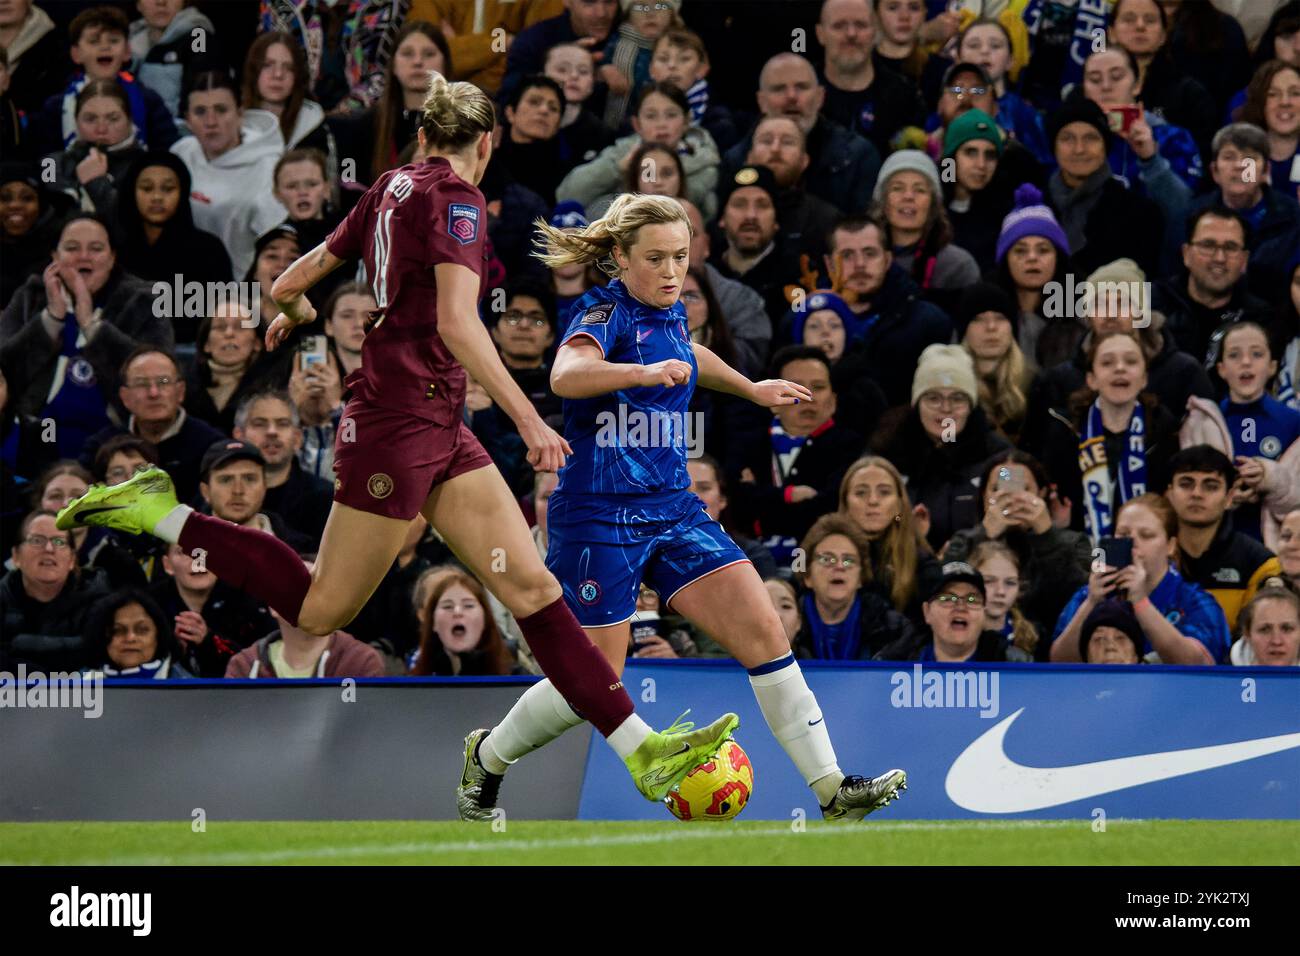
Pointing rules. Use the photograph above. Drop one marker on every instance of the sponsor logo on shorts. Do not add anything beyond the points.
(589, 592)
(380, 485)
(462, 222)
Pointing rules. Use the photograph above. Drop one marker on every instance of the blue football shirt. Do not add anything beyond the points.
(633, 441)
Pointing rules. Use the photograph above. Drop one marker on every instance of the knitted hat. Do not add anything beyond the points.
(1078, 109)
(973, 124)
(825, 300)
(906, 159)
(1116, 614)
(569, 215)
(1123, 272)
(627, 4)
(945, 366)
(986, 297)
(1031, 217)
(759, 176)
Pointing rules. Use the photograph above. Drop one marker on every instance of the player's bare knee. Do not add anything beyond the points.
(530, 595)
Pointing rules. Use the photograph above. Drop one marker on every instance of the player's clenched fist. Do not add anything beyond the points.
(667, 373)
(546, 448)
(300, 313)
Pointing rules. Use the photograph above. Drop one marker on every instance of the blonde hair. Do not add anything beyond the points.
(454, 115)
(900, 544)
(1002, 394)
(1023, 634)
(595, 242)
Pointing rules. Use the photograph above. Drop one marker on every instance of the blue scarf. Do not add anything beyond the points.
(833, 642)
(1099, 501)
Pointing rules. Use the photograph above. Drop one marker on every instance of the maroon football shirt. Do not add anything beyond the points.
(410, 220)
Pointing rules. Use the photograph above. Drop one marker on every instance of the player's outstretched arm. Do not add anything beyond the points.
(289, 292)
(580, 371)
(717, 375)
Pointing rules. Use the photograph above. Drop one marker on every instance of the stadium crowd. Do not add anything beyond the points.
(1037, 260)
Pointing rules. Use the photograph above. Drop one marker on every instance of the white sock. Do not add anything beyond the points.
(628, 736)
(796, 721)
(537, 718)
(169, 527)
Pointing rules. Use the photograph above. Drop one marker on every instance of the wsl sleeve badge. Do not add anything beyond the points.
(598, 314)
(462, 222)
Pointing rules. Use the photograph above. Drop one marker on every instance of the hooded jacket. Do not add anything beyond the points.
(38, 61)
(1191, 325)
(100, 194)
(166, 66)
(345, 656)
(231, 194)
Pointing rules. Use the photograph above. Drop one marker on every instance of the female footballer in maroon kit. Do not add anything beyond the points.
(402, 447)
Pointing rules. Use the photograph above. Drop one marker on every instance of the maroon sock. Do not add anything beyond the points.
(576, 666)
(250, 560)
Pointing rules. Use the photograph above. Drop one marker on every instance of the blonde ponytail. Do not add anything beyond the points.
(455, 114)
(595, 242)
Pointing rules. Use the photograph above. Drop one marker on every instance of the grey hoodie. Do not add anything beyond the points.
(595, 184)
(161, 66)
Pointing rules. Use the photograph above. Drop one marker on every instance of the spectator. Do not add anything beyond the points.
(159, 240)
(165, 49)
(709, 484)
(531, 149)
(127, 637)
(582, 134)
(1214, 292)
(942, 443)
(1273, 104)
(30, 221)
(231, 158)
(1141, 28)
(1032, 251)
(661, 636)
(873, 495)
(291, 652)
(978, 194)
(792, 478)
(43, 600)
(374, 139)
(986, 327)
(458, 636)
(1181, 624)
(302, 185)
(1111, 634)
(589, 23)
(842, 165)
(1020, 506)
(1288, 548)
(58, 484)
(1103, 219)
(211, 620)
(1260, 426)
(786, 601)
(741, 306)
(661, 115)
(1118, 439)
(1240, 154)
(317, 393)
(1114, 299)
(387, 619)
(1000, 568)
(902, 45)
(826, 321)
(152, 392)
(900, 325)
(988, 44)
(1270, 630)
(704, 318)
(778, 143)
(275, 80)
(227, 366)
(346, 316)
(1280, 39)
(36, 53)
(275, 250)
(954, 617)
(524, 333)
(875, 103)
(626, 64)
(844, 617)
(679, 57)
(267, 420)
(233, 485)
(656, 171)
(1209, 44)
(15, 141)
(104, 148)
(756, 253)
(67, 331)
(1228, 565)
(121, 458)
(480, 35)
(98, 37)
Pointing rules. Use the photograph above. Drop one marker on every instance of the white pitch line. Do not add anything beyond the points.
(705, 832)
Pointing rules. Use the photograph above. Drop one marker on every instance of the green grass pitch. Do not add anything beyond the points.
(1124, 842)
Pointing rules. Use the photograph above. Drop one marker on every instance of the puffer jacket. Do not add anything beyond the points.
(46, 636)
(100, 194)
(166, 65)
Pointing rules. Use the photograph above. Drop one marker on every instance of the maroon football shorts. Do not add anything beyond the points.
(386, 462)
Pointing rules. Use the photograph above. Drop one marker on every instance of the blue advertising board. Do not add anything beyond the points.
(1002, 741)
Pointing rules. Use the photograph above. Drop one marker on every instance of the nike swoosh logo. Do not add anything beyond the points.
(643, 335)
(983, 779)
(675, 753)
(86, 512)
(814, 723)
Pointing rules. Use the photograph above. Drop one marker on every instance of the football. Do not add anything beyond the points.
(717, 789)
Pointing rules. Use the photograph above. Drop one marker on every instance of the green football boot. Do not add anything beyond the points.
(135, 506)
(664, 759)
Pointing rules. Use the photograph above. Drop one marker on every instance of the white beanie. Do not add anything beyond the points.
(945, 366)
(905, 160)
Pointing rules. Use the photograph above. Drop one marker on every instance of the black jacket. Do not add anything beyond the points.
(179, 455)
(1273, 242)
(46, 636)
(303, 502)
(991, 648)
(879, 626)
(1122, 224)
(235, 620)
(1191, 324)
(890, 103)
(944, 477)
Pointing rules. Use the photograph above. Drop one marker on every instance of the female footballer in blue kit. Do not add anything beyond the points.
(403, 449)
(623, 511)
